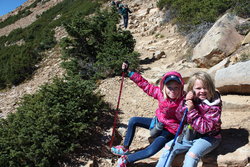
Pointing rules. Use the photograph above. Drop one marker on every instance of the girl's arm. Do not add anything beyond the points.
(148, 88)
(205, 121)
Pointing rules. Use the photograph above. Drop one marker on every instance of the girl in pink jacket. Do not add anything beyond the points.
(170, 96)
(201, 135)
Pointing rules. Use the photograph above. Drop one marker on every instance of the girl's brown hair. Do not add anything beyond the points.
(207, 81)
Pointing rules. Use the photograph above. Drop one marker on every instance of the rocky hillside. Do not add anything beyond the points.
(162, 49)
(26, 21)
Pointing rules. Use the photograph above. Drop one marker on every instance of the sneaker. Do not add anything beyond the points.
(122, 161)
(119, 150)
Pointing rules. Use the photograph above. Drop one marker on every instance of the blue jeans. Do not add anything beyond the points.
(125, 21)
(153, 148)
(198, 147)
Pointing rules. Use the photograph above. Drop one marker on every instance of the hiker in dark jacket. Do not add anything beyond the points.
(118, 3)
(125, 11)
(113, 3)
(120, 8)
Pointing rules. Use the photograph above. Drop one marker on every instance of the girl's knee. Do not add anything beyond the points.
(165, 151)
(192, 155)
(191, 159)
(167, 147)
(132, 120)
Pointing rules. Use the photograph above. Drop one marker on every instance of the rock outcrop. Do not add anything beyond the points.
(218, 43)
(234, 79)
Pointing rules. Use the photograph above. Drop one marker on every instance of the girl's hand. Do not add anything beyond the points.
(190, 105)
(190, 96)
(125, 66)
(189, 100)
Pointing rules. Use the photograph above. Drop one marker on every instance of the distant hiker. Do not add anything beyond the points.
(201, 134)
(113, 4)
(120, 8)
(170, 96)
(118, 3)
(125, 12)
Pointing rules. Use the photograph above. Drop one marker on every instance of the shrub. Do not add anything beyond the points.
(195, 12)
(96, 48)
(243, 28)
(242, 8)
(17, 64)
(50, 124)
(163, 3)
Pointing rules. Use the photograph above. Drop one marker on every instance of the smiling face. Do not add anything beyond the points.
(202, 85)
(200, 90)
(173, 89)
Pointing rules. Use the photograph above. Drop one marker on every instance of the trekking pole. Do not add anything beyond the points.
(176, 135)
(116, 112)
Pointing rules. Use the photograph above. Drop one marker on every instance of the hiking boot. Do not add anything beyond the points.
(119, 150)
(122, 161)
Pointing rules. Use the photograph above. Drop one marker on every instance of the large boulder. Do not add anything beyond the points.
(234, 79)
(219, 42)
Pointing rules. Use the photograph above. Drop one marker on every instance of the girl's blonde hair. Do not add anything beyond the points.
(207, 81)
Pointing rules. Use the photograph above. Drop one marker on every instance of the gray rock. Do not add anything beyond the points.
(234, 79)
(159, 54)
(217, 67)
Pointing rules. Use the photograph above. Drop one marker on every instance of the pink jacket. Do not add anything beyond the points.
(206, 119)
(167, 111)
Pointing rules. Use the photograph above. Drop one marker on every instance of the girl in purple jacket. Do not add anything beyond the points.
(170, 96)
(202, 133)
